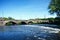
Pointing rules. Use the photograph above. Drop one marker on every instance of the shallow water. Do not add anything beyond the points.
(28, 32)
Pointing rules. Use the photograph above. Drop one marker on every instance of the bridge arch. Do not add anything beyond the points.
(30, 22)
(10, 23)
(22, 22)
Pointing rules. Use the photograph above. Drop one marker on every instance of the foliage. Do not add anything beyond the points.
(8, 24)
(19, 23)
(54, 7)
(9, 18)
(57, 20)
(46, 19)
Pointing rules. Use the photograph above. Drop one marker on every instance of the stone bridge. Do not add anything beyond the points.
(4, 22)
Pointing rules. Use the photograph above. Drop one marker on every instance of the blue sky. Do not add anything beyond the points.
(25, 9)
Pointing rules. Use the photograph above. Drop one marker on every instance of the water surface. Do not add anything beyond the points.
(29, 32)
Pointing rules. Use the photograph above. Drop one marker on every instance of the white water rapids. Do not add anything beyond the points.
(48, 29)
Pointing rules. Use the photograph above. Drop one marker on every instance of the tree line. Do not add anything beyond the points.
(6, 18)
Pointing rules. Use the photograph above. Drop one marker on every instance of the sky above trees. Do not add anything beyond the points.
(25, 9)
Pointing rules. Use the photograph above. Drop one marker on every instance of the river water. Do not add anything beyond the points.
(29, 32)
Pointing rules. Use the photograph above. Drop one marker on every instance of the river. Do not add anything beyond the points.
(29, 32)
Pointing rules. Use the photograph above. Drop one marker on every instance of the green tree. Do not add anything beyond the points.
(10, 18)
(54, 7)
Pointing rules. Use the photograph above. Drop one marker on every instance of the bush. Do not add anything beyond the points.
(57, 20)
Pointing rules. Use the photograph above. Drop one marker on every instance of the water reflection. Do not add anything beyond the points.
(28, 32)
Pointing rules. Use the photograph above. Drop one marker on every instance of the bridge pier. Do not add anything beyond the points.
(1, 23)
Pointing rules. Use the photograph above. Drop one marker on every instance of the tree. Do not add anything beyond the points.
(10, 18)
(54, 7)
